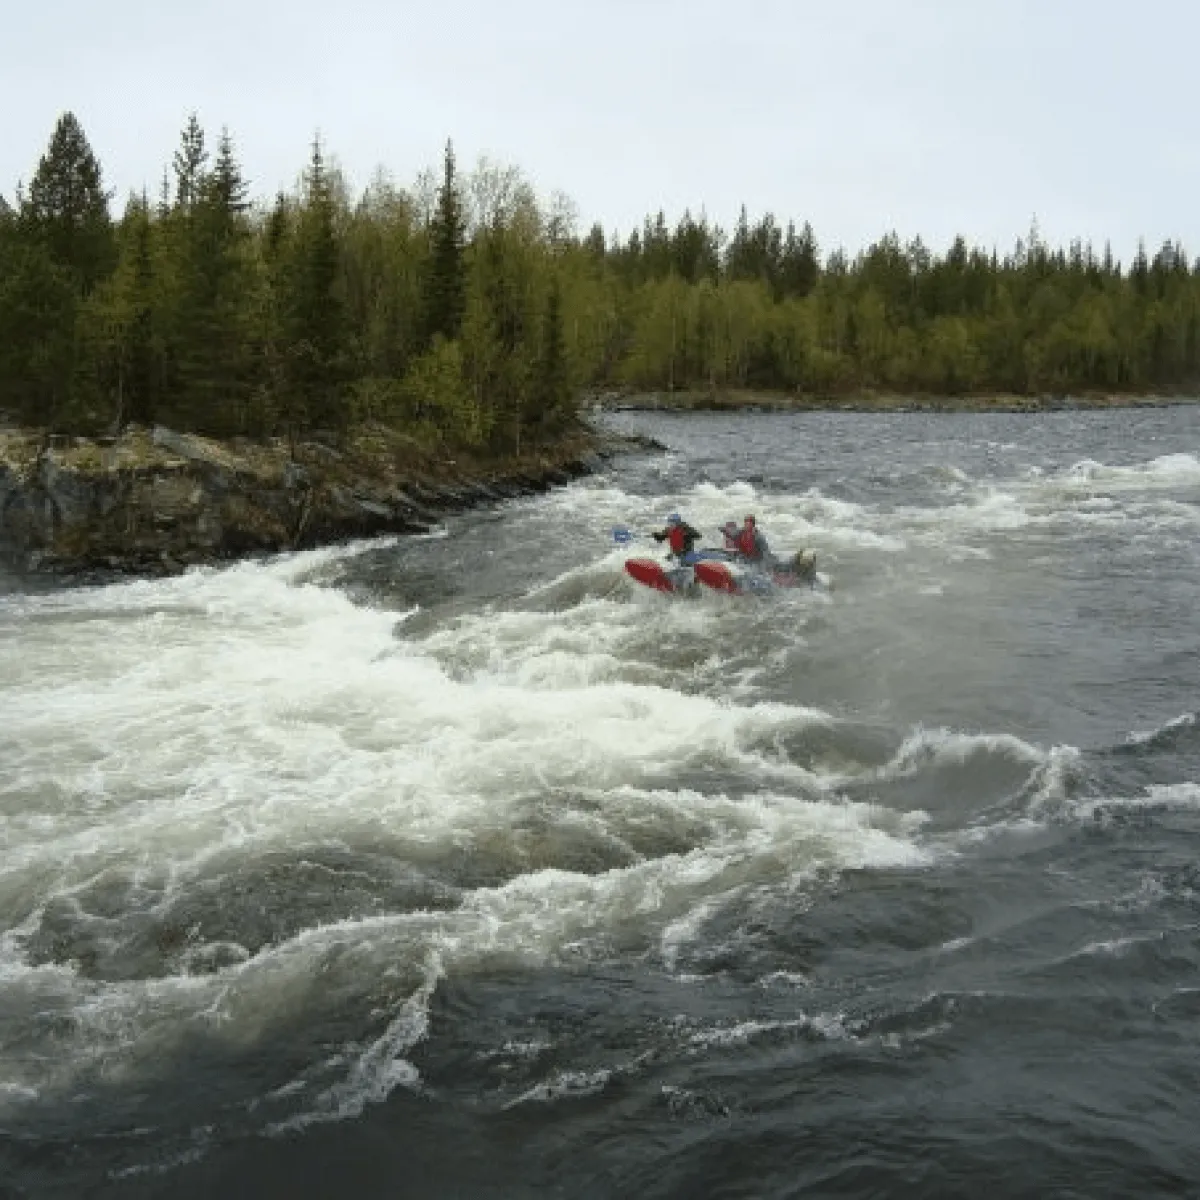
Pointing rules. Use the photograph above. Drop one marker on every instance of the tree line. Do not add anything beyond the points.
(472, 312)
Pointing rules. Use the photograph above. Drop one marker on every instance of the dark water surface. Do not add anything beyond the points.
(464, 867)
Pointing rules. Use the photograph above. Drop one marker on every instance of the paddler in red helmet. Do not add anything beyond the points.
(679, 535)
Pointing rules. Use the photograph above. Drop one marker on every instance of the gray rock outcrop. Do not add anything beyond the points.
(157, 501)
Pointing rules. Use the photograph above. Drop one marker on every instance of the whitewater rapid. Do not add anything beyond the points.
(277, 805)
(191, 730)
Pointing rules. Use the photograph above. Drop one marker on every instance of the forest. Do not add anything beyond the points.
(472, 312)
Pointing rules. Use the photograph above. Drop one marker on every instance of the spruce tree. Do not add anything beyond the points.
(220, 238)
(594, 243)
(118, 374)
(212, 288)
(276, 232)
(799, 264)
(189, 164)
(739, 255)
(143, 371)
(445, 283)
(39, 301)
(227, 188)
(201, 234)
(314, 338)
(66, 208)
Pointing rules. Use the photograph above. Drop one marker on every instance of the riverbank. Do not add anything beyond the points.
(751, 400)
(155, 501)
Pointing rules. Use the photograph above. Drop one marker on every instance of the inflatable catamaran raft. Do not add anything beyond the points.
(719, 571)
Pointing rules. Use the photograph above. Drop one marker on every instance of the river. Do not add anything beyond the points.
(461, 865)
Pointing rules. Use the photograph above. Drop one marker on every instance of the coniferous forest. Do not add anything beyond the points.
(473, 314)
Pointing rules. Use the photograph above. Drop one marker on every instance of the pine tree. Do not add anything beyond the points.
(445, 285)
(66, 208)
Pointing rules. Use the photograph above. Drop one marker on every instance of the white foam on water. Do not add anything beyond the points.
(1176, 797)
(1130, 499)
(520, 1050)
(565, 1085)
(956, 944)
(790, 979)
(1143, 737)
(990, 510)
(983, 517)
(826, 1027)
(161, 736)
(790, 521)
(745, 1032)
(1051, 795)
(1168, 470)
(1115, 947)
(379, 1068)
(925, 746)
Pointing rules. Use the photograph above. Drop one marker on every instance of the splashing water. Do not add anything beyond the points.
(474, 823)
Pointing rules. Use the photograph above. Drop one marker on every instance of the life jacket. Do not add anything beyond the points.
(747, 545)
(679, 537)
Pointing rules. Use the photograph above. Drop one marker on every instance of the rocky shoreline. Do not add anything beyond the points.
(155, 501)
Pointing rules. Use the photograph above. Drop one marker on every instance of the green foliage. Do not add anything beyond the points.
(313, 339)
(472, 312)
(384, 246)
(210, 285)
(38, 306)
(119, 329)
(189, 165)
(550, 397)
(445, 283)
(436, 392)
(500, 324)
(66, 209)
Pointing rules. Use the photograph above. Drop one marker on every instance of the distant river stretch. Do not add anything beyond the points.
(463, 866)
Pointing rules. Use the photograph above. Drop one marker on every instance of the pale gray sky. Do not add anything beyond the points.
(928, 116)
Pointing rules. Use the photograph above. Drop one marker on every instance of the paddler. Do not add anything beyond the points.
(679, 535)
(749, 541)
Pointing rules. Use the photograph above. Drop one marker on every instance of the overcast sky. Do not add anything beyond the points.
(929, 117)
